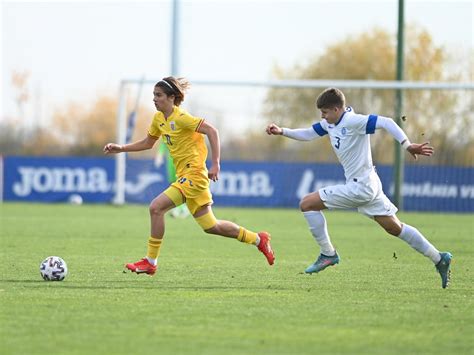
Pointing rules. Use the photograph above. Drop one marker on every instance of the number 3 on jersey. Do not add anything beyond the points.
(338, 142)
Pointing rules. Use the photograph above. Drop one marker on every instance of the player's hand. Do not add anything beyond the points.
(111, 148)
(273, 129)
(416, 149)
(213, 172)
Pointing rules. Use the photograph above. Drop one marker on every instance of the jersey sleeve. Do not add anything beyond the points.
(186, 121)
(321, 128)
(154, 129)
(363, 124)
(391, 127)
(300, 134)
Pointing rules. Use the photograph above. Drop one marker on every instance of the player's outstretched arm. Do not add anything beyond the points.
(147, 143)
(213, 136)
(416, 149)
(300, 134)
(273, 129)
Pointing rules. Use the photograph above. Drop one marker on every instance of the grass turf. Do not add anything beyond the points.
(213, 295)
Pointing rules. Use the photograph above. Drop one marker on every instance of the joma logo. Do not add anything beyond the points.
(240, 183)
(41, 179)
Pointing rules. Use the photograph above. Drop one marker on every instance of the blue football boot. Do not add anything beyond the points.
(443, 268)
(323, 262)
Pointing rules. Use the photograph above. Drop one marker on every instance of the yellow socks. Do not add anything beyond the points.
(246, 236)
(153, 251)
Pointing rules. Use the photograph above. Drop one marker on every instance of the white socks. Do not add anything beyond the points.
(257, 241)
(318, 227)
(416, 240)
(152, 261)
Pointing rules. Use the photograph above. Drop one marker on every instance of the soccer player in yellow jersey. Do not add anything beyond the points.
(184, 136)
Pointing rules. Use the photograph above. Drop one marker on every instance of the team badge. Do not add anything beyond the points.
(173, 125)
(343, 131)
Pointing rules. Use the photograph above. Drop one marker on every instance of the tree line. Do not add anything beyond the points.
(445, 118)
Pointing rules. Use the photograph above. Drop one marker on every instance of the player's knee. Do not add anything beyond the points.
(156, 209)
(208, 223)
(306, 204)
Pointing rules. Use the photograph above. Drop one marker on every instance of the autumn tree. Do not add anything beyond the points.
(20, 134)
(371, 56)
(84, 130)
(19, 81)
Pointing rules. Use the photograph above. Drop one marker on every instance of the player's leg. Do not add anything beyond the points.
(208, 222)
(158, 207)
(311, 205)
(417, 241)
(312, 202)
(384, 213)
(180, 211)
(410, 235)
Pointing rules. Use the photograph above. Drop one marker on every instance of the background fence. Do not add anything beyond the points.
(241, 183)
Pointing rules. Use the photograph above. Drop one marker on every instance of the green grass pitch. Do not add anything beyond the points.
(213, 295)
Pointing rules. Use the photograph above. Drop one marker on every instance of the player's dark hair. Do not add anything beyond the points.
(331, 98)
(174, 86)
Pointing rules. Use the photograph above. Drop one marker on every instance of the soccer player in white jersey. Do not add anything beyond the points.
(349, 134)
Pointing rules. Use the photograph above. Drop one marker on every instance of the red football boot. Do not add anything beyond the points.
(265, 247)
(142, 267)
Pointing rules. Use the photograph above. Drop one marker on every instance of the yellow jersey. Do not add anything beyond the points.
(179, 132)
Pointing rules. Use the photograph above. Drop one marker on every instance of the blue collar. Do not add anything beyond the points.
(340, 118)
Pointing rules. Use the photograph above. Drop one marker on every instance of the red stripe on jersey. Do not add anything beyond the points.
(199, 125)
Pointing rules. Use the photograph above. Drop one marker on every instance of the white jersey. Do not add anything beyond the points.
(351, 142)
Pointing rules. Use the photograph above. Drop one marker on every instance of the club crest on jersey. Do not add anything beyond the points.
(173, 125)
(343, 131)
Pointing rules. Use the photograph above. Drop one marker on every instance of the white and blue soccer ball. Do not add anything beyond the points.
(75, 199)
(53, 268)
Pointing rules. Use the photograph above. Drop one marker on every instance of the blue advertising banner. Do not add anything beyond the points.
(51, 179)
(241, 183)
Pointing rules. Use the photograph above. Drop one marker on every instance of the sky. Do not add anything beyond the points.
(75, 51)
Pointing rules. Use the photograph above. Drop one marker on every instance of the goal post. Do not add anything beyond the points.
(120, 166)
(121, 159)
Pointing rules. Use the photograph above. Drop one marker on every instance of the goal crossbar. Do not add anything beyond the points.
(120, 167)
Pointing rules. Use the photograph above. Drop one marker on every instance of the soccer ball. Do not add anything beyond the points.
(53, 268)
(75, 199)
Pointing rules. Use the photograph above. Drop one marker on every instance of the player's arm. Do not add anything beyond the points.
(301, 134)
(396, 132)
(213, 136)
(146, 143)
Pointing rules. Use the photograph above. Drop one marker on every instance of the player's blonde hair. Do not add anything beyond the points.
(331, 98)
(174, 86)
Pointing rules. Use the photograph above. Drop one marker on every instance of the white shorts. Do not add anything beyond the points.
(365, 194)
